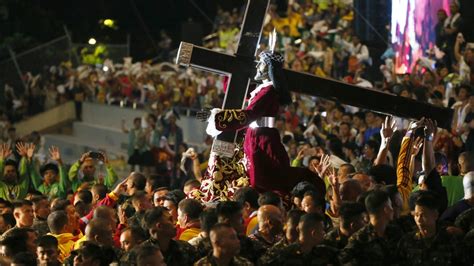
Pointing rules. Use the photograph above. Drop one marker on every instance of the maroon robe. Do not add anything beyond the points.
(268, 164)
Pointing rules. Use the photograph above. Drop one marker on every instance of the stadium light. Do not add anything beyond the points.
(109, 23)
(92, 41)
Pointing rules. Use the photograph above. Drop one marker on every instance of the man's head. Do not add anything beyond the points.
(20, 240)
(311, 229)
(140, 201)
(159, 196)
(442, 15)
(7, 221)
(312, 203)
(189, 211)
(454, 7)
(131, 237)
(49, 172)
(88, 168)
(366, 181)
(351, 216)
(5, 206)
(171, 202)
(47, 251)
(191, 185)
(248, 198)
(85, 196)
(230, 212)
(466, 162)
(107, 214)
(270, 220)
(224, 240)
(468, 185)
(426, 213)
(378, 204)
(159, 223)
(72, 215)
(300, 189)
(90, 254)
(99, 191)
(136, 182)
(344, 171)
(23, 212)
(99, 231)
(41, 208)
(150, 256)
(267, 58)
(208, 219)
(10, 172)
(395, 198)
(57, 222)
(291, 225)
(350, 190)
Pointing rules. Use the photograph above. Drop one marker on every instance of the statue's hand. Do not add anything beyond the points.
(204, 114)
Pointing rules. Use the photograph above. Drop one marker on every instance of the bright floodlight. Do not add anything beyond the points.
(109, 23)
(92, 41)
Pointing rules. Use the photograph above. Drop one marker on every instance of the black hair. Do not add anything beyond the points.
(146, 251)
(49, 166)
(318, 200)
(375, 201)
(20, 203)
(227, 209)
(294, 216)
(429, 200)
(175, 196)
(247, 194)
(310, 220)
(85, 196)
(302, 187)
(208, 218)
(139, 180)
(269, 198)
(24, 258)
(383, 174)
(349, 212)
(152, 216)
(48, 241)
(9, 219)
(100, 189)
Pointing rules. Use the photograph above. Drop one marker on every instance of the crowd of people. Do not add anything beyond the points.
(398, 192)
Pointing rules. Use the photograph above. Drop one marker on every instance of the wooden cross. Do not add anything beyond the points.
(241, 69)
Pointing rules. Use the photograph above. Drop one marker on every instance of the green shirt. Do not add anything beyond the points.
(16, 191)
(454, 188)
(109, 181)
(54, 190)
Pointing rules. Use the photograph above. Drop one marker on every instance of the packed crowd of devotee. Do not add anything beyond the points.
(398, 192)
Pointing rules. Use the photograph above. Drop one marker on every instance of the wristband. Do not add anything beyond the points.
(429, 137)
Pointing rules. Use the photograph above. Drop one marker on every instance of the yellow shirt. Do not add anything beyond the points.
(65, 244)
(189, 234)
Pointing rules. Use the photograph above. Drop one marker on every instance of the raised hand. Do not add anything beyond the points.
(55, 154)
(387, 130)
(30, 150)
(5, 151)
(323, 165)
(121, 187)
(104, 158)
(22, 149)
(84, 156)
(430, 128)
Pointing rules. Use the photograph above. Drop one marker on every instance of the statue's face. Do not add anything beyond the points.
(262, 71)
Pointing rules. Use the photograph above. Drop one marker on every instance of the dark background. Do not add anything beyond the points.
(26, 23)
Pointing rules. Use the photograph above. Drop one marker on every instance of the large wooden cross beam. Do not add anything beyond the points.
(241, 69)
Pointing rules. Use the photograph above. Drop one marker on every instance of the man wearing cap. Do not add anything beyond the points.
(47, 181)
